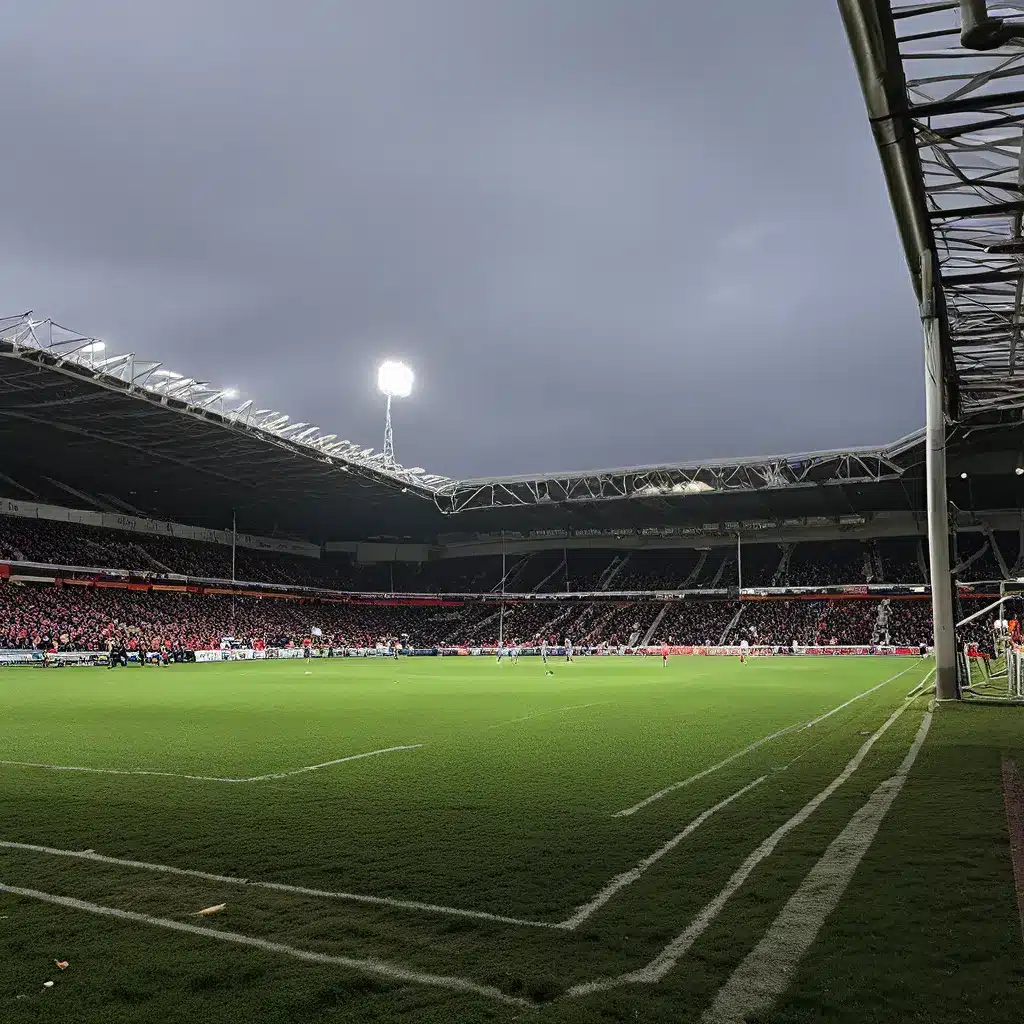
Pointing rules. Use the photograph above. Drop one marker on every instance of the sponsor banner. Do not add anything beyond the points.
(242, 654)
(698, 650)
(25, 657)
(30, 657)
(729, 528)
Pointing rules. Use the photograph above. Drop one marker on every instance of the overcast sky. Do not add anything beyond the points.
(602, 233)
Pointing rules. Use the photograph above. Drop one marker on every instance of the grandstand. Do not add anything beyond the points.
(223, 503)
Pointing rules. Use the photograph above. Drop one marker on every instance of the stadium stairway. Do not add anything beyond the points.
(782, 570)
(540, 588)
(596, 631)
(618, 563)
(733, 623)
(508, 582)
(727, 563)
(881, 622)
(662, 612)
(696, 571)
(551, 628)
(922, 561)
(990, 534)
(154, 562)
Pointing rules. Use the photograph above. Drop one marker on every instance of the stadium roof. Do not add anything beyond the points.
(945, 96)
(85, 428)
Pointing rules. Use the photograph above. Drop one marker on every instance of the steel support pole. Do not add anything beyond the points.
(234, 544)
(935, 476)
(389, 437)
(501, 611)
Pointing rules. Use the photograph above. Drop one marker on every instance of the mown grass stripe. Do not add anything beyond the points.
(381, 968)
(769, 968)
(647, 801)
(673, 952)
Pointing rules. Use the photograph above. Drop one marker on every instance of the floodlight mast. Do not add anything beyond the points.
(394, 380)
(389, 437)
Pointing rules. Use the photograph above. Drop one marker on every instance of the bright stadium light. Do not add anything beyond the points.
(394, 380)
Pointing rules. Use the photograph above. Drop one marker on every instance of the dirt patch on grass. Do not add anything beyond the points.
(1013, 797)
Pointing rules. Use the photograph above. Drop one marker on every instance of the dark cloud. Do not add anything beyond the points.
(603, 233)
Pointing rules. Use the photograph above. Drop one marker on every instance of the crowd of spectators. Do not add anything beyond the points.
(910, 622)
(900, 561)
(85, 618)
(74, 617)
(656, 570)
(779, 622)
(556, 571)
(807, 623)
(819, 564)
(696, 622)
(842, 562)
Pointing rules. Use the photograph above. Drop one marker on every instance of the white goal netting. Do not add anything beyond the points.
(990, 647)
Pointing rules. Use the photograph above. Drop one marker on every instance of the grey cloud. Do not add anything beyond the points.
(602, 232)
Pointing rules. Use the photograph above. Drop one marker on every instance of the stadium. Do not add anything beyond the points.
(292, 731)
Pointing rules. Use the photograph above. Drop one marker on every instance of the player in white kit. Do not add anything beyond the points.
(744, 650)
(568, 650)
(544, 655)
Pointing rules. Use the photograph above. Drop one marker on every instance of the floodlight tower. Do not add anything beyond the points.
(394, 380)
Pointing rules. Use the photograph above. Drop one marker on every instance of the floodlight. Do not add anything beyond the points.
(963, 476)
(394, 379)
(1020, 465)
(230, 393)
(94, 346)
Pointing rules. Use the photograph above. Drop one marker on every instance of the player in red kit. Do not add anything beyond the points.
(664, 655)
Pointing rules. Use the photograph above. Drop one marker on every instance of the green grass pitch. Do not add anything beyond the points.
(429, 879)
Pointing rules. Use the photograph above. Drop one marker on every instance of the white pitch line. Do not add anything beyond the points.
(751, 747)
(767, 971)
(679, 946)
(920, 685)
(552, 711)
(582, 913)
(381, 968)
(208, 778)
(299, 890)
(628, 877)
(328, 764)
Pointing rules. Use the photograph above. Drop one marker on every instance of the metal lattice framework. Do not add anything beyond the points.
(28, 338)
(949, 121)
(147, 379)
(850, 466)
